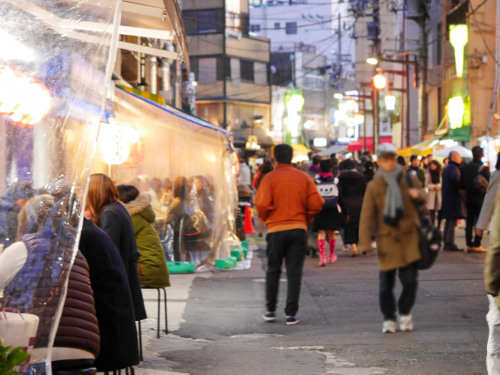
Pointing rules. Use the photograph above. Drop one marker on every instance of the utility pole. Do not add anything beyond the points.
(339, 54)
(424, 105)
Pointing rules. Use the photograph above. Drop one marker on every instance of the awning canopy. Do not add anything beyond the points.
(423, 148)
(359, 144)
(332, 150)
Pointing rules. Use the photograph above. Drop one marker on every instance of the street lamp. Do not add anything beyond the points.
(379, 81)
(390, 102)
(373, 60)
(458, 39)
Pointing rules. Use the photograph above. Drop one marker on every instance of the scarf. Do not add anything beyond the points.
(393, 210)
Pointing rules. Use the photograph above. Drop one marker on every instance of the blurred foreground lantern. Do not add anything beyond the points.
(458, 39)
(25, 100)
(252, 143)
(456, 111)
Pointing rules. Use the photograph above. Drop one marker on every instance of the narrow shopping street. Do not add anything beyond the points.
(216, 325)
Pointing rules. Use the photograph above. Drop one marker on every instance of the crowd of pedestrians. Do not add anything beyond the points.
(375, 204)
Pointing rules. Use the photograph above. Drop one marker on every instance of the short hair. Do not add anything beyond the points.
(349, 164)
(127, 193)
(401, 161)
(325, 166)
(316, 159)
(477, 152)
(368, 164)
(413, 157)
(497, 165)
(283, 153)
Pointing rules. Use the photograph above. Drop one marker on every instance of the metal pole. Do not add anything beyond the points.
(407, 66)
(376, 120)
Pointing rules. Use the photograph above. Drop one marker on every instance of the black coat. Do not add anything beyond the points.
(452, 202)
(469, 172)
(117, 223)
(113, 301)
(352, 185)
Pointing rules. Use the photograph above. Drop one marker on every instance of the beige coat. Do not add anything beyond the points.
(397, 246)
(492, 266)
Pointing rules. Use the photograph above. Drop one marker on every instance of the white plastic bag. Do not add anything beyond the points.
(18, 329)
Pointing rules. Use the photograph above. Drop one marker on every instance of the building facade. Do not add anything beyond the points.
(231, 68)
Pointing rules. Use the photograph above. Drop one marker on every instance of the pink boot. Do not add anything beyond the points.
(332, 257)
(322, 256)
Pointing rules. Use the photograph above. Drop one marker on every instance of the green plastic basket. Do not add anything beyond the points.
(180, 267)
(238, 254)
(226, 263)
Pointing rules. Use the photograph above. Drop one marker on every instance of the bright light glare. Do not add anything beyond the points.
(372, 60)
(390, 102)
(338, 95)
(22, 98)
(11, 49)
(195, 83)
(458, 39)
(456, 111)
(309, 124)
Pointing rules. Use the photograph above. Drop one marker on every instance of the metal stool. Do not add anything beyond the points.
(158, 290)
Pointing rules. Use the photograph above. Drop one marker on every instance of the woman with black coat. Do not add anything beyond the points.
(112, 217)
(113, 301)
(353, 186)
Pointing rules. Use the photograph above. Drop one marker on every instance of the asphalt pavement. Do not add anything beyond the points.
(215, 324)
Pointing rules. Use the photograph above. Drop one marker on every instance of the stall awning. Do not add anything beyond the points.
(358, 145)
(300, 148)
(424, 148)
(333, 150)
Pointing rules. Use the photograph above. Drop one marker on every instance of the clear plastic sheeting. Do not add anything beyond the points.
(55, 62)
(187, 166)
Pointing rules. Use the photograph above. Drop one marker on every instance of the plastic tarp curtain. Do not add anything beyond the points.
(55, 61)
(185, 164)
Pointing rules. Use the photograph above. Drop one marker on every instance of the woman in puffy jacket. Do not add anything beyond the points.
(153, 271)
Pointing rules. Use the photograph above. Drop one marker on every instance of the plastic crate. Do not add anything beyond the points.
(180, 267)
(226, 263)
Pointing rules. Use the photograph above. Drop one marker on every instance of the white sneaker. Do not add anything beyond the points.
(389, 326)
(405, 323)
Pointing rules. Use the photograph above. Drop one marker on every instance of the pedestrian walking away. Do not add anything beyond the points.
(389, 208)
(352, 186)
(474, 195)
(287, 199)
(329, 219)
(452, 205)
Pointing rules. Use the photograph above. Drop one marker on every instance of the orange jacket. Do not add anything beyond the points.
(287, 198)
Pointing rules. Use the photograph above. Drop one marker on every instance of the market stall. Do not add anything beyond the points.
(55, 63)
(186, 165)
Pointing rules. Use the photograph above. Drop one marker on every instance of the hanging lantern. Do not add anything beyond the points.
(114, 143)
(25, 100)
(390, 102)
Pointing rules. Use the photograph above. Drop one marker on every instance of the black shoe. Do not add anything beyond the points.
(451, 247)
(269, 316)
(291, 321)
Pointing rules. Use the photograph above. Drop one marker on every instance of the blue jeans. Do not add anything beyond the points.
(291, 246)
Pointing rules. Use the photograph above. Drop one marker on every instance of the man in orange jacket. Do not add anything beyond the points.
(287, 200)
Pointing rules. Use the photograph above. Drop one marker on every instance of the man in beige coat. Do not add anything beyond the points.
(492, 285)
(389, 211)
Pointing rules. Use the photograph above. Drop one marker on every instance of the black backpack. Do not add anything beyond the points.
(430, 238)
(480, 183)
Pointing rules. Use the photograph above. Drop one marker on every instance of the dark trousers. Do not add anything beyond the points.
(290, 245)
(409, 280)
(449, 231)
(473, 210)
